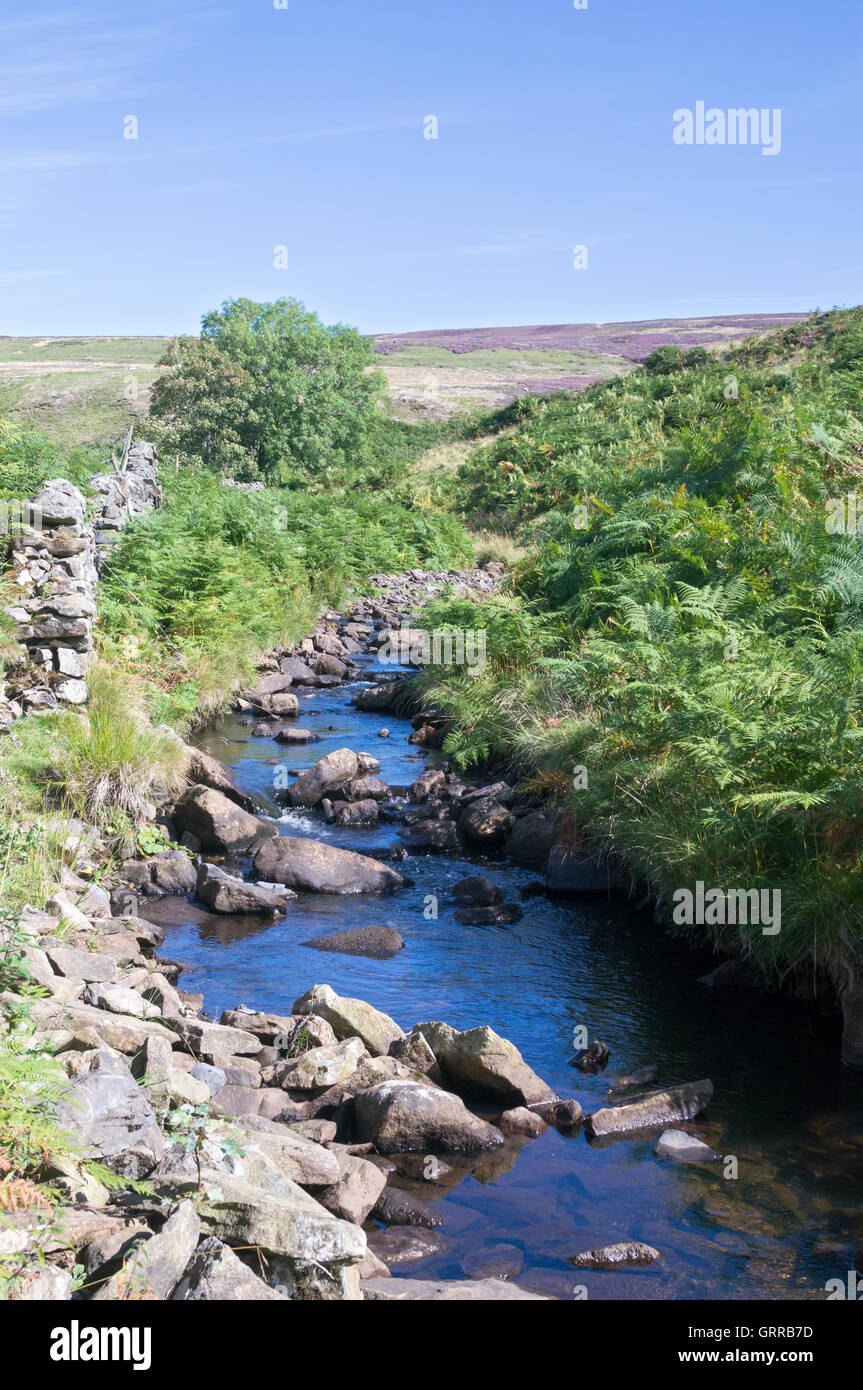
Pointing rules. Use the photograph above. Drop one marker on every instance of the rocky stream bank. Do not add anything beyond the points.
(291, 1155)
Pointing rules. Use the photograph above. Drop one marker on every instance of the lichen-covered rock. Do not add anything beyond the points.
(351, 1018)
(480, 1059)
(322, 1066)
(293, 1225)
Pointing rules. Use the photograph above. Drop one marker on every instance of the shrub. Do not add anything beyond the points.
(662, 360)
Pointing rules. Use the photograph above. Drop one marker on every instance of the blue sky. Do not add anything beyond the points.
(303, 127)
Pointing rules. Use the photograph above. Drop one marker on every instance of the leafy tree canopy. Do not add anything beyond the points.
(268, 391)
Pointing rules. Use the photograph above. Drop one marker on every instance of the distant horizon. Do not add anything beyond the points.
(483, 327)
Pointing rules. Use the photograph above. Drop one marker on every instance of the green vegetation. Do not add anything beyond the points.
(111, 758)
(268, 391)
(681, 621)
(78, 392)
(686, 630)
(194, 594)
(28, 459)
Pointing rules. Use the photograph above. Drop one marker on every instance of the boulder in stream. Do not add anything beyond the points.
(485, 821)
(661, 1109)
(406, 1116)
(310, 866)
(681, 1147)
(503, 915)
(324, 777)
(477, 891)
(626, 1253)
(218, 823)
(225, 893)
(295, 736)
(480, 1060)
(376, 942)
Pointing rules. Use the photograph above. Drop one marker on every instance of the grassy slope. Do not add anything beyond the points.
(87, 391)
(78, 391)
(692, 639)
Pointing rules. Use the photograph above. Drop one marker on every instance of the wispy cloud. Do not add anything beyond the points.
(47, 161)
(520, 245)
(8, 278)
(69, 58)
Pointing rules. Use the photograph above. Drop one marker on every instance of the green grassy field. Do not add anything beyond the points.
(85, 392)
(78, 391)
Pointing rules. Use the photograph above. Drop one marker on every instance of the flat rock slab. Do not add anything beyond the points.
(376, 942)
(310, 866)
(663, 1108)
(119, 1031)
(225, 893)
(292, 1224)
(445, 1291)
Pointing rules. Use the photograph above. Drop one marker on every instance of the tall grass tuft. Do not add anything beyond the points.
(112, 758)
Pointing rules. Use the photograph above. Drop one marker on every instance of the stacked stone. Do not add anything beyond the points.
(123, 496)
(56, 559)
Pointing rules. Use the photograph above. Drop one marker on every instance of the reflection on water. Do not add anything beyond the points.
(791, 1220)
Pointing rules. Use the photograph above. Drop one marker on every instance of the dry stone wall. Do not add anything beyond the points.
(57, 554)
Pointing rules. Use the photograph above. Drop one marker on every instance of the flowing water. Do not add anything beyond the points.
(788, 1222)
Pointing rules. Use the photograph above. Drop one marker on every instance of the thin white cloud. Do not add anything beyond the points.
(47, 161)
(66, 59)
(8, 278)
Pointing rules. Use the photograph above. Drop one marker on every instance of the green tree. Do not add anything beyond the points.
(206, 405)
(270, 391)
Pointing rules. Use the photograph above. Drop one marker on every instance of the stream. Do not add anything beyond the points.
(788, 1222)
